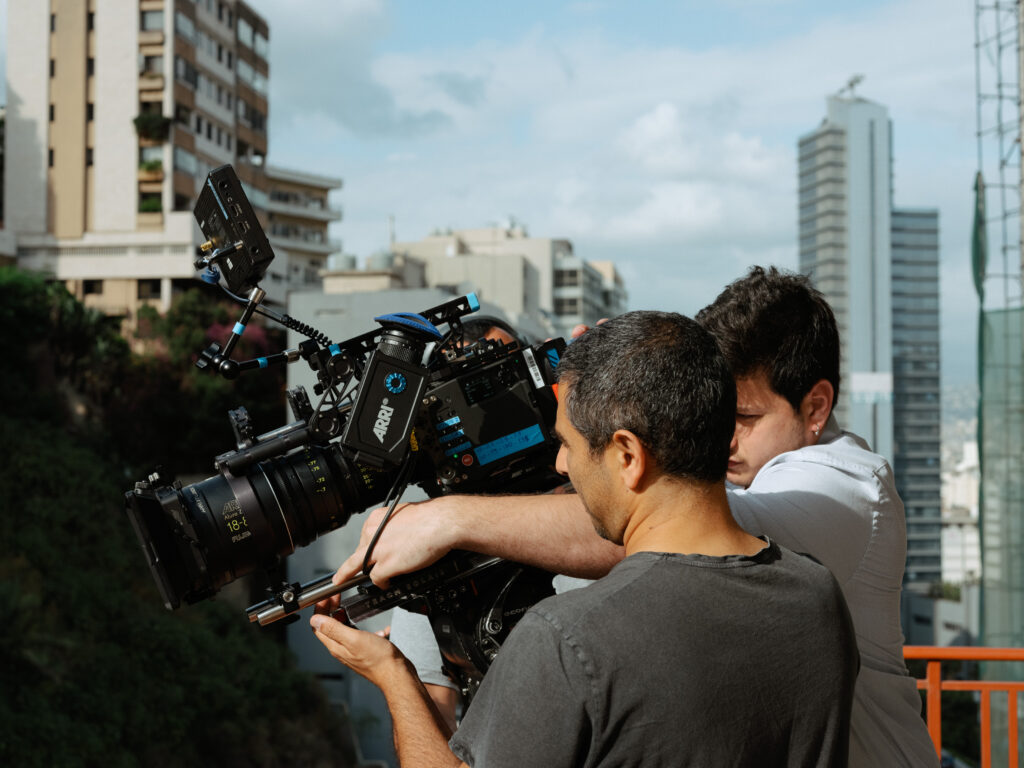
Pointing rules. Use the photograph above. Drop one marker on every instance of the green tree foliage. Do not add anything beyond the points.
(93, 669)
(184, 408)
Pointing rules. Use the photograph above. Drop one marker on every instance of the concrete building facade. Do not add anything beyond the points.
(117, 110)
(878, 267)
(529, 277)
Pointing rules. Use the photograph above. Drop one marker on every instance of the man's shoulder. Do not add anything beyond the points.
(844, 452)
(569, 608)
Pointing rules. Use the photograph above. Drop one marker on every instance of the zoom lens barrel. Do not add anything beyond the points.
(201, 537)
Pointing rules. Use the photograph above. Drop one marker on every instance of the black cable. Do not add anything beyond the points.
(400, 484)
(286, 320)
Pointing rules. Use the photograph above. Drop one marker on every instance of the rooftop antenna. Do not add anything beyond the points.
(851, 84)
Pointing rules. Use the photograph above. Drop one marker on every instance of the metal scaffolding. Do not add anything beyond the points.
(997, 260)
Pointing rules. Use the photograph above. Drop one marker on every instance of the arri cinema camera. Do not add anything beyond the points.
(411, 402)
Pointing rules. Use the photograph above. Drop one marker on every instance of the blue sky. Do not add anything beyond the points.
(658, 134)
(661, 135)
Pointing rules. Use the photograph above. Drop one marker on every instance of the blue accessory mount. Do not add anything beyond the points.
(395, 383)
(411, 321)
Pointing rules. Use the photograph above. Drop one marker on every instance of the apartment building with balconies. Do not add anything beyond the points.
(117, 110)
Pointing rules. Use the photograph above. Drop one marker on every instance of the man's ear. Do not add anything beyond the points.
(630, 458)
(817, 405)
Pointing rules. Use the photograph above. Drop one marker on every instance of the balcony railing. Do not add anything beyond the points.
(934, 685)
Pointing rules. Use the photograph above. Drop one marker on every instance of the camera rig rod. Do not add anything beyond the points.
(362, 599)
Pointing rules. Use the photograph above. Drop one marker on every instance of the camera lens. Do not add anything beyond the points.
(208, 534)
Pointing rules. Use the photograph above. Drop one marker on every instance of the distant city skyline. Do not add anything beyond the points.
(661, 136)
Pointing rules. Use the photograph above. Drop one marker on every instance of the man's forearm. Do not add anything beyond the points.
(550, 531)
(421, 736)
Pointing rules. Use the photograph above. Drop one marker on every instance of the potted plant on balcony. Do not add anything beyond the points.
(152, 126)
(150, 204)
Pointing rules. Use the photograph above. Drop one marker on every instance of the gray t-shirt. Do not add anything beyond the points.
(674, 660)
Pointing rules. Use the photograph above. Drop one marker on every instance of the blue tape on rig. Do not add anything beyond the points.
(263, 362)
(335, 349)
(474, 302)
(239, 329)
(448, 423)
(509, 444)
(453, 436)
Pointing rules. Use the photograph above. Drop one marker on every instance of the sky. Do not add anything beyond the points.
(661, 135)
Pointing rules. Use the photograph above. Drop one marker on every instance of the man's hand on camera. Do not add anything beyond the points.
(579, 330)
(417, 535)
(366, 653)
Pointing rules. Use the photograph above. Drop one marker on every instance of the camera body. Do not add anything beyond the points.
(411, 402)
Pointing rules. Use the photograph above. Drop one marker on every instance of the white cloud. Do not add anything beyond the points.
(673, 161)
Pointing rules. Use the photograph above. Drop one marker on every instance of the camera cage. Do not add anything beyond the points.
(373, 389)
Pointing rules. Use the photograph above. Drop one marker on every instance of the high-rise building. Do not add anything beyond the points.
(917, 445)
(117, 109)
(878, 267)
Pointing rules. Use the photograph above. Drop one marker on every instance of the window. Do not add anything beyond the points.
(151, 20)
(150, 155)
(220, 51)
(90, 21)
(90, 66)
(245, 32)
(228, 137)
(245, 72)
(199, 124)
(209, 130)
(49, 158)
(567, 306)
(261, 45)
(151, 65)
(53, 67)
(149, 289)
(185, 161)
(92, 287)
(230, 57)
(88, 111)
(88, 155)
(51, 112)
(53, 22)
(182, 114)
(567, 277)
(185, 72)
(184, 27)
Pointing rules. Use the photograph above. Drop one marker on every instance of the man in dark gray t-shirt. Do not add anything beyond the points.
(705, 646)
(673, 660)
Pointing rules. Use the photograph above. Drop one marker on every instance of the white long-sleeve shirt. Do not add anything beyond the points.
(837, 502)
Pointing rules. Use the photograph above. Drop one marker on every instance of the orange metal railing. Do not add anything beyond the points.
(934, 685)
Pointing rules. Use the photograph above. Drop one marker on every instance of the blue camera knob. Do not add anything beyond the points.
(395, 383)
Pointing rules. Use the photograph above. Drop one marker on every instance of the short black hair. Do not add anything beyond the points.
(476, 327)
(660, 376)
(776, 322)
